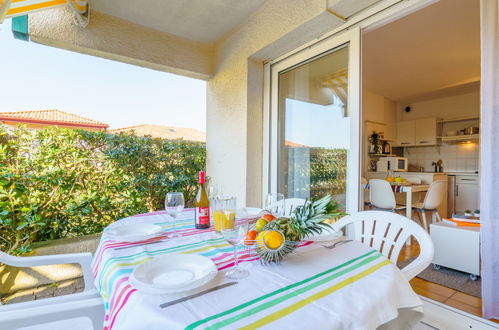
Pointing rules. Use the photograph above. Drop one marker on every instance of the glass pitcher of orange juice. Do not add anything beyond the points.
(224, 213)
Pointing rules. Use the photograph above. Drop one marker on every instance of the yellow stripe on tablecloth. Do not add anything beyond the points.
(292, 308)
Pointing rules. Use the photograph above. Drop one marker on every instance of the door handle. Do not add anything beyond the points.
(424, 141)
(457, 190)
(405, 143)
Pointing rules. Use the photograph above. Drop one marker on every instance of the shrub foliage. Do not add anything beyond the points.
(59, 182)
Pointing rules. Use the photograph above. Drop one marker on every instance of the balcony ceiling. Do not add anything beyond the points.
(434, 52)
(199, 20)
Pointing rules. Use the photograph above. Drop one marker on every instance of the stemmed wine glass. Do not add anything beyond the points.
(174, 204)
(275, 204)
(235, 236)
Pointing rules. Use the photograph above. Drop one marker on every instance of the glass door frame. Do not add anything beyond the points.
(352, 37)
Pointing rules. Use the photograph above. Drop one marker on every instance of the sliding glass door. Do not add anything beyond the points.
(314, 122)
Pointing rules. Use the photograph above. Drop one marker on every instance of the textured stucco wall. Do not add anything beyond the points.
(234, 94)
(116, 39)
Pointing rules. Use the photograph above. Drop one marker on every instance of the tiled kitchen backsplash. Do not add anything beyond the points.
(455, 157)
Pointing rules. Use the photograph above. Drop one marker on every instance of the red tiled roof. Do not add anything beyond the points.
(294, 144)
(51, 117)
(163, 132)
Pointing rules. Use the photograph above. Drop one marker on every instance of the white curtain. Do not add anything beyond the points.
(489, 165)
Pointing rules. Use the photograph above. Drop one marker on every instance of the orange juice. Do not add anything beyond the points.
(222, 221)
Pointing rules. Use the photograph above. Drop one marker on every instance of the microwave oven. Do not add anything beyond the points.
(395, 164)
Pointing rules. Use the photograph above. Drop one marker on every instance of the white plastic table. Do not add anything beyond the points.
(350, 287)
(408, 190)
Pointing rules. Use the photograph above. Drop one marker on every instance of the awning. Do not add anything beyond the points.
(14, 8)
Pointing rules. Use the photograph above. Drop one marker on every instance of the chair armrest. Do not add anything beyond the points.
(84, 259)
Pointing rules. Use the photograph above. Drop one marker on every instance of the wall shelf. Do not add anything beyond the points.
(461, 138)
(382, 155)
(452, 120)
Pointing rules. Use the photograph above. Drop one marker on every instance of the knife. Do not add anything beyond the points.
(174, 302)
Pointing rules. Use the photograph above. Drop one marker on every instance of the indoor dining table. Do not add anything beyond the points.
(408, 189)
(349, 287)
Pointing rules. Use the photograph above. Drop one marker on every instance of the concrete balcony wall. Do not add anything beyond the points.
(116, 39)
(235, 93)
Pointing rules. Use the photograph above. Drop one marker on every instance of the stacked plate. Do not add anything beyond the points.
(327, 234)
(249, 212)
(173, 273)
(133, 232)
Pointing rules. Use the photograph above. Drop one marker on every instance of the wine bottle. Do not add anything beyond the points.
(202, 205)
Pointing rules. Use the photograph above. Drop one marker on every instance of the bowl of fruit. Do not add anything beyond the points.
(275, 237)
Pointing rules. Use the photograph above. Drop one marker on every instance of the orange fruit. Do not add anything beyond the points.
(271, 239)
(268, 217)
(250, 237)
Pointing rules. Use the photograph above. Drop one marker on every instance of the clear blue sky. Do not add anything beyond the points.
(35, 77)
(317, 125)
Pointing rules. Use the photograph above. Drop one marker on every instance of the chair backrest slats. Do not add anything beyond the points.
(387, 232)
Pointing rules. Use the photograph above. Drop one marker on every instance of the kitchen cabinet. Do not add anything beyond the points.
(467, 193)
(419, 132)
(406, 133)
(426, 131)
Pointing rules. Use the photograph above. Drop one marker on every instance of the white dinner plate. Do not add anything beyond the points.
(134, 232)
(173, 273)
(327, 234)
(251, 212)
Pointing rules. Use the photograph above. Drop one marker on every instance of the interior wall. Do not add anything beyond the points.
(462, 105)
(455, 157)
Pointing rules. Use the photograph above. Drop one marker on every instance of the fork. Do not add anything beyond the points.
(332, 246)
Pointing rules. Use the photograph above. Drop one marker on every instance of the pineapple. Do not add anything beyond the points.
(307, 219)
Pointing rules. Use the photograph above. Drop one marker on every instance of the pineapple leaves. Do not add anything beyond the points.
(308, 219)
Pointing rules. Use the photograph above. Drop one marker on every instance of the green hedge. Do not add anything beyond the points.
(59, 182)
(328, 170)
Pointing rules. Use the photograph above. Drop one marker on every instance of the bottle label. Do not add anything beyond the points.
(202, 215)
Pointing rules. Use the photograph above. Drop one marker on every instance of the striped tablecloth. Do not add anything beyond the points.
(349, 287)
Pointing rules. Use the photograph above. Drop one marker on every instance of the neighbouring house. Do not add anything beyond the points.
(163, 132)
(39, 119)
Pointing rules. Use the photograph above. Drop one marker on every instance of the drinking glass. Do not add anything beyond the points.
(213, 193)
(235, 236)
(274, 203)
(174, 204)
(224, 213)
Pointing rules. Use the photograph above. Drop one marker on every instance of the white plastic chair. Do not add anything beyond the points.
(382, 197)
(387, 232)
(86, 304)
(365, 192)
(433, 198)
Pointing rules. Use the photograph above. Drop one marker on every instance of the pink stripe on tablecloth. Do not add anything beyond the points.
(233, 263)
(121, 306)
(116, 298)
(230, 258)
(110, 244)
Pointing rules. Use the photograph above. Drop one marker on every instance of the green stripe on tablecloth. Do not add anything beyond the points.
(307, 301)
(276, 292)
(290, 295)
